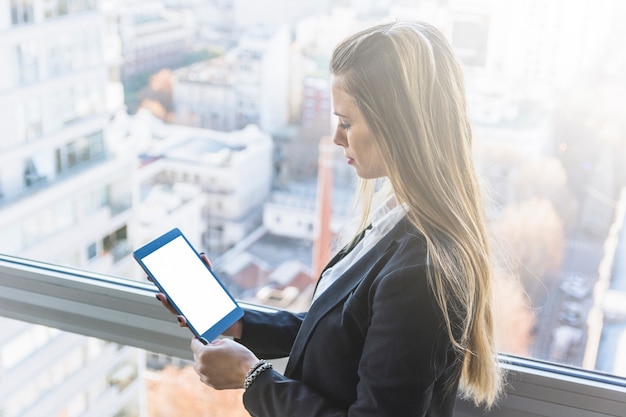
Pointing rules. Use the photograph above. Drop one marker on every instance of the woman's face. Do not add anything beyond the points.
(354, 136)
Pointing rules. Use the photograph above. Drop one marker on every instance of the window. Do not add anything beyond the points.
(21, 11)
(116, 244)
(86, 149)
(86, 178)
(92, 251)
(21, 347)
(31, 174)
(28, 62)
(118, 309)
(29, 119)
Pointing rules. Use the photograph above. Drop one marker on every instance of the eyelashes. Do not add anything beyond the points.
(342, 123)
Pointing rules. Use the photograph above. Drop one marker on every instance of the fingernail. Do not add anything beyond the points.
(180, 320)
(157, 297)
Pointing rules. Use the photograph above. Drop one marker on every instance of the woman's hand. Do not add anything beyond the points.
(166, 303)
(233, 331)
(223, 363)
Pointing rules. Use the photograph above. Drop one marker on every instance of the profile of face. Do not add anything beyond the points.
(354, 135)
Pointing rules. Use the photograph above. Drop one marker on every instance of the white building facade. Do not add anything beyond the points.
(152, 36)
(63, 199)
(247, 85)
(204, 95)
(210, 184)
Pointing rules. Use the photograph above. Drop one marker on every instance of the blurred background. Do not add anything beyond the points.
(123, 119)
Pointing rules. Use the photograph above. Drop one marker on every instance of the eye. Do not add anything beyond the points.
(344, 126)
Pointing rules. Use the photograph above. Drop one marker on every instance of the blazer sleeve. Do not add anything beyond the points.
(270, 335)
(404, 353)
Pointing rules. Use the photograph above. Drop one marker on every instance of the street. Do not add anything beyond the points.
(561, 321)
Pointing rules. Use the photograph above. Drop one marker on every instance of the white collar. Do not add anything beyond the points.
(388, 215)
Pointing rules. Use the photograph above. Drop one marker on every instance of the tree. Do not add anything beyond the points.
(515, 177)
(545, 178)
(178, 392)
(157, 96)
(532, 235)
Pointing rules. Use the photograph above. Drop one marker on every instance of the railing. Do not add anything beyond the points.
(126, 312)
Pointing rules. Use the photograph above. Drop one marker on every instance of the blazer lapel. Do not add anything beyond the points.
(338, 291)
(339, 255)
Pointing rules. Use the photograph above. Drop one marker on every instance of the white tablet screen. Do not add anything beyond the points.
(189, 284)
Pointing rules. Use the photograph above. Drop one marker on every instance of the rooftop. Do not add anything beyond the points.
(218, 71)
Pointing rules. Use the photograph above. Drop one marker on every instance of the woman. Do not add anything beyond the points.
(401, 317)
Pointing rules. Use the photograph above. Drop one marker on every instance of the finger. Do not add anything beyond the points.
(196, 346)
(182, 321)
(206, 260)
(163, 299)
(166, 303)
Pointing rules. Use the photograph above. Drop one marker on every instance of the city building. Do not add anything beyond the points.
(68, 182)
(209, 183)
(279, 263)
(215, 21)
(247, 85)
(274, 13)
(152, 36)
(63, 199)
(49, 372)
(204, 95)
(607, 318)
(153, 40)
(261, 77)
(309, 92)
(517, 53)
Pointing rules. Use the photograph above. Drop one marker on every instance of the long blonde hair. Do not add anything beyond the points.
(409, 87)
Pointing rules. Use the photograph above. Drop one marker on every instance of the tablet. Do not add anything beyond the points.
(190, 285)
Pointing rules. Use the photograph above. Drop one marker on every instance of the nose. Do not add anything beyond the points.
(339, 138)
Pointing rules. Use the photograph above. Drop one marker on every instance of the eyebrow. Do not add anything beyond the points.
(340, 115)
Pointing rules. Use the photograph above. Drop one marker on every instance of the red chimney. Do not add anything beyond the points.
(323, 235)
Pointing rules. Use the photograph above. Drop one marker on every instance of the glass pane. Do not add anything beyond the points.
(109, 151)
(44, 371)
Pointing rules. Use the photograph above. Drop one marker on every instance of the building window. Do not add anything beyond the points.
(22, 11)
(28, 62)
(22, 346)
(29, 124)
(80, 151)
(31, 175)
(116, 244)
(92, 251)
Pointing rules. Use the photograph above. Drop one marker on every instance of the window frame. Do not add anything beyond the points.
(126, 312)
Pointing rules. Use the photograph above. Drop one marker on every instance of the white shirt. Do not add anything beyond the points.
(383, 220)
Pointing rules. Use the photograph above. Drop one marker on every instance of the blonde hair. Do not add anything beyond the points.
(409, 87)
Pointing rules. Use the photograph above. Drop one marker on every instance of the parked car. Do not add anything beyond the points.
(571, 313)
(576, 286)
(564, 340)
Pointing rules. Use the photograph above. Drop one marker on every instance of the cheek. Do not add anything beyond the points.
(367, 144)
(375, 157)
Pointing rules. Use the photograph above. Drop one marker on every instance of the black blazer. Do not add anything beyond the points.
(373, 344)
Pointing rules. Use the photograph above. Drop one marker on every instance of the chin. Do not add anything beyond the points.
(370, 175)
